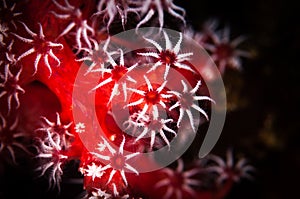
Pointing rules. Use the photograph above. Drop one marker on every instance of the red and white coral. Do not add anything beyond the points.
(51, 152)
(94, 171)
(186, 101)
(79, 127)
(150, 98)
(148, 8)
(8, 58)
(111, 8)
(55, 147)
(102, 194)
(169, 56)
(117, 160)
(42, 47)
(57, 128)
(117, 75)
(97, 56)
(11, 86)
(155, 125)
(9, 14)
(228, 170)
(52, 147)
(224, 51)
(179, 181)
(74, 15)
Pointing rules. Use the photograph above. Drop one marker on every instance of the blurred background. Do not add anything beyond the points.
(263, 100)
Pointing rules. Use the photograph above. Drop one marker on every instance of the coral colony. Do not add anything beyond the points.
(44, 49)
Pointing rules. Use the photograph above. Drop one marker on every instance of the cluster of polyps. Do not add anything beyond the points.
(146, 100)
(52, 147)
(145, 10)
(156, 110)
(224, 51)
(153, 98)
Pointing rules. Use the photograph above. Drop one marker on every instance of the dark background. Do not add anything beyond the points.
(265, 123)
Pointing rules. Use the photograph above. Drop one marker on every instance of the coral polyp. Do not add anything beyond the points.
(148, 9)
(83, 31)
(52, 158)
(169, 56)
(116, 160)
(186, 102)
(151, 97)
(118, 72)
(11, 87)
(179, 181)
(42, 47)
(9, 14)
(227, 170)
